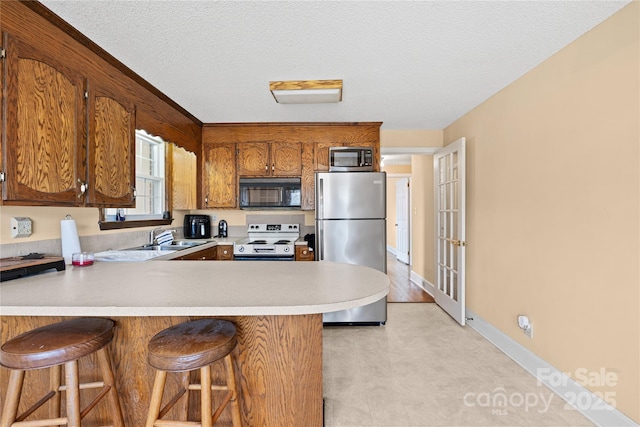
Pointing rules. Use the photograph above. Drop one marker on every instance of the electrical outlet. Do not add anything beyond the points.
(529, 331)
(21, 227)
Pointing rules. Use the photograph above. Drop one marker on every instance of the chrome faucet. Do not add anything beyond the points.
(154, 233)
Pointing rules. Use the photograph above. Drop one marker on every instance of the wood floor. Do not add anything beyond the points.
(402, 289)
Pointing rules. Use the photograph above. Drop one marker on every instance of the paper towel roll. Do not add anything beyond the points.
(70, 239)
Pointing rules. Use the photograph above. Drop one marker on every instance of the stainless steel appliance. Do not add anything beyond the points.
(351, 228)
(268, 242)
(270, 193)
(197, 226)
(350, 159)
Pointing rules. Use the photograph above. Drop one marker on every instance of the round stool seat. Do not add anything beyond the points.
(56, 344)
(192, 345)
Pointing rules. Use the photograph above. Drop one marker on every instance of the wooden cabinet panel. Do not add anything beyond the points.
(53, 145)
(270, 159)
(208, 254)
(219, 189)
(112, 148)
(303, 253)
(44, 143)
(224, 252)
(286, 159)
(307, 180)
(253, 159)
(183, 178)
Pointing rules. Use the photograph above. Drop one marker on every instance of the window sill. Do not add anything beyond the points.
(116, 225)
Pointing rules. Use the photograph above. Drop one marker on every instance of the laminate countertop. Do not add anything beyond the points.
(194, 288)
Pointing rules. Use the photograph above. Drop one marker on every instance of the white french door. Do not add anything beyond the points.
(402, 220)
(449, 191)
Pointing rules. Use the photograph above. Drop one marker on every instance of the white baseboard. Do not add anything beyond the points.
(596, 409)
(393, 251)
(422, 282)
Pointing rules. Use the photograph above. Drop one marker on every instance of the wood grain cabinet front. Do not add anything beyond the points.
(270, 159)
(224, 252)
(69, 139)
(208, 254)
(303, 253)
(219, 189)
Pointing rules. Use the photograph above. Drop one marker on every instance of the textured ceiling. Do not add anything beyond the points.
(410, 65)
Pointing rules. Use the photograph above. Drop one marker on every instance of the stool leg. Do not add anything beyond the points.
(12, 399)
(55, 373)
(232, 385)
(205, 396)
(109, 380)
(73, 393)
(156, 397)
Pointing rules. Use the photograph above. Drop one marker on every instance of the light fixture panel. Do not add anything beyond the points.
(306, 91)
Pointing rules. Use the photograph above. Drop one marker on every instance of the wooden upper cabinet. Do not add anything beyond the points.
(183, 178)
(111, 148)
(270, 159)
(44, 135)
(219, 187)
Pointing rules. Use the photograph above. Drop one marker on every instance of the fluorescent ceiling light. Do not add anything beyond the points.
(306, 91)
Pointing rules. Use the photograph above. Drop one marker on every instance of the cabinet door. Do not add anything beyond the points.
(111, 148)
(224, 252)
(203, 255)
(286, 159)
(219, 175)
(253, 159)
(44, 133)
(183, 178)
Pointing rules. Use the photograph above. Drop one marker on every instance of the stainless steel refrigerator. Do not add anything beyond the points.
(351, 227)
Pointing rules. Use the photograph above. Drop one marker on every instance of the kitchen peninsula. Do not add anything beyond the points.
(277, 307)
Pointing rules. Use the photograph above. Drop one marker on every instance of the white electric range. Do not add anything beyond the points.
(268, 242)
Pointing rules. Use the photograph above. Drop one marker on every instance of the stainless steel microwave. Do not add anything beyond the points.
(350, 159)
(259, 193)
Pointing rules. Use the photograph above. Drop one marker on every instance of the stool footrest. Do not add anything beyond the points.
(85, 386)
(169, 423)
(41, 423)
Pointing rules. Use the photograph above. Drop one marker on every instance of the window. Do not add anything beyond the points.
(150, 182)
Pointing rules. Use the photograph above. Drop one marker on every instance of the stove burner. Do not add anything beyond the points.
(282, 242)
(258, 242)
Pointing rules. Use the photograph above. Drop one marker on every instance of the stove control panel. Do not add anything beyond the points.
(273, 228)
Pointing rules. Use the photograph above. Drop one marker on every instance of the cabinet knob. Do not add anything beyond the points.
(225, 251)
(206, 200)
(266, 167)
(273, 167)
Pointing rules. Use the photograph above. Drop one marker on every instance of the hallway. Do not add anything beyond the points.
(402, 289)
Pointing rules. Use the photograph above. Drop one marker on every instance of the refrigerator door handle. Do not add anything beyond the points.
(320, 201)
(320, 244)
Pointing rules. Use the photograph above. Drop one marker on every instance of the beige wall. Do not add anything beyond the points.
(422, 239)
(410, 138)
(552, 207)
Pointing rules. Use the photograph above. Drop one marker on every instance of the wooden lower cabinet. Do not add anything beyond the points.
(224, 252)
(303, 253)
(219, 253)
(278, 367)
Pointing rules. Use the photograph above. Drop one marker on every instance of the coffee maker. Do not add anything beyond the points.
(222, 228)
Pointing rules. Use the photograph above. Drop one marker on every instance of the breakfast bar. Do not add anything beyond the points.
(277, 308)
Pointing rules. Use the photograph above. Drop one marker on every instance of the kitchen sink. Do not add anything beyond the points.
(176, 245)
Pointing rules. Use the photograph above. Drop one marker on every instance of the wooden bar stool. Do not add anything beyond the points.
(186, 347)
(51, 347)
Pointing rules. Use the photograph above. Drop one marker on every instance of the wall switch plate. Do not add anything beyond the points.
(21, 227)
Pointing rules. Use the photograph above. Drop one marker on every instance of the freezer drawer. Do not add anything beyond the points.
(358, 195)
